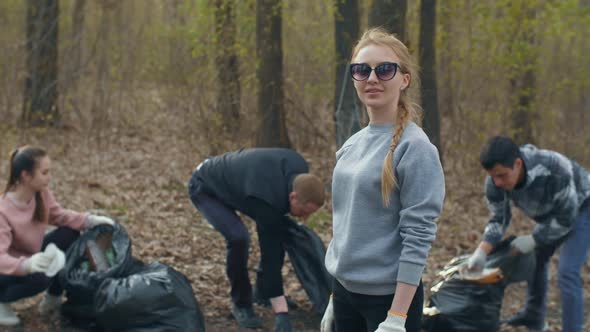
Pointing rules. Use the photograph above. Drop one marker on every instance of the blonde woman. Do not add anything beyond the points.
(388, 190)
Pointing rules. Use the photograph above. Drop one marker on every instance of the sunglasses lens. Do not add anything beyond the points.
(360, 71)
(386, 71)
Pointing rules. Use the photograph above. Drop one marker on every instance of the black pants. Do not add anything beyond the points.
(14, 288)
(237, 239)
(363, 313)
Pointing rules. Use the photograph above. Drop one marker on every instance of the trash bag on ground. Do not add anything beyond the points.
(307, 253)
(155, 299)
(80, 281)
(460, 305)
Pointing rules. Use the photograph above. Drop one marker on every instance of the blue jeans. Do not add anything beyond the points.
(571, 261)
(574, 253)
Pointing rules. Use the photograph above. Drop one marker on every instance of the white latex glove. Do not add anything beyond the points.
(39, 262)
(94, 220)
(523, 244)
(477, 261)
(58, 260)
(393, 323)
(328, 319)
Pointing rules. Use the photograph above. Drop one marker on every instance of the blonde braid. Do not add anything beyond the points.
(388, 180)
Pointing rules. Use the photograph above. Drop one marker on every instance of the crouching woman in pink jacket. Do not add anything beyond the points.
(30, 258)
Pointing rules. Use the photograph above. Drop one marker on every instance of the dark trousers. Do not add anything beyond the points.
(363, 313)
(14, 288)
(237, 239)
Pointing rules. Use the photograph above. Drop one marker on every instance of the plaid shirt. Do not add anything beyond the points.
(555, 189)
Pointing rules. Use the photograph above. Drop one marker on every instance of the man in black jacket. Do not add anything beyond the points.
(264, 184)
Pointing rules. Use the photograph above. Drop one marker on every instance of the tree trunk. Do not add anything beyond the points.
(40, 91)
(78, 16)
(522, 116)
(228, 69)
(272, 130)
(523, 82)
(71, 86)
(391, 15)
(347, 114)
(427, 62)
(100, 98)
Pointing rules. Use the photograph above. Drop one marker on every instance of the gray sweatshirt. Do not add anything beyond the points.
(555, 188)
(374, 246)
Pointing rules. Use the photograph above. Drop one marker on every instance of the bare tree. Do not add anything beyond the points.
(101, 96)
(347, 115)
(523, 80)
(78, 16)
(228, 71)
(272, 130)
(71, 85)
(391, 15)
(429, 93)
(40, 91)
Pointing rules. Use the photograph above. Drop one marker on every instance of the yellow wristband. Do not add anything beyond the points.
(399, 314)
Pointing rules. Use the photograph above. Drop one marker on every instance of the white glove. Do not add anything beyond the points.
(477, 261)
(94, 220)
(328, 319)
(39, 262)
(393, 323)
(523, 244)
(58, 260)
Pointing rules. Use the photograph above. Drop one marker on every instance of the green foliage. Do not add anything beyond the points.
(319, 220)
(160, 57)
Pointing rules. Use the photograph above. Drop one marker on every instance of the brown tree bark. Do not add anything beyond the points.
(429, 92)
(523, 83)
(40, 91)
(272, 129)
(228, 69)
(391, 15)
(347, 115)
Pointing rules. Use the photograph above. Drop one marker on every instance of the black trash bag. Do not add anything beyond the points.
(155, 299)
(81, 285)
(466, 306)
(514, 268)
(307, 254)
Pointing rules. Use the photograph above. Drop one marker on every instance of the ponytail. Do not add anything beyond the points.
(26, 158)
(12, 178)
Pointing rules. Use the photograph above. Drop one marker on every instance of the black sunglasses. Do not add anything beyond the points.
(385, 71)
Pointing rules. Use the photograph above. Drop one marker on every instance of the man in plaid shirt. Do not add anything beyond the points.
(554, 191)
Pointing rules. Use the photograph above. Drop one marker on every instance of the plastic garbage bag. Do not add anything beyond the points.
(81, 284)
(155, 299)
(458, 305)
(307, 253)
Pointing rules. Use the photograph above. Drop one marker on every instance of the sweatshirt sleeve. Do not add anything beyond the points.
(59, 216)
(9, 265)
(559, 221)
(421, 184)
(499, 207)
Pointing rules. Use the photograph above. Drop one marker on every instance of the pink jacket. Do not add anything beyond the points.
(21, 237)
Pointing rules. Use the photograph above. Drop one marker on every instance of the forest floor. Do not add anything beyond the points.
(139, 176)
